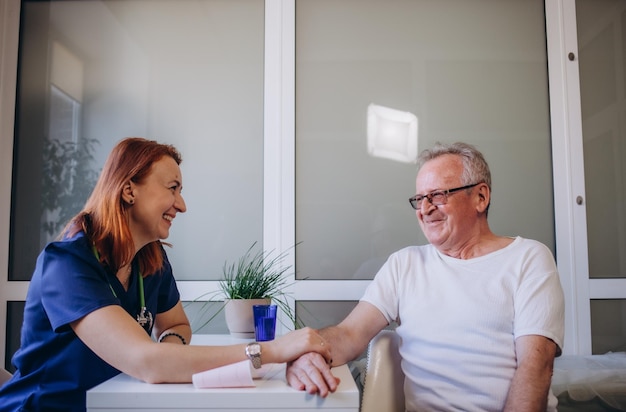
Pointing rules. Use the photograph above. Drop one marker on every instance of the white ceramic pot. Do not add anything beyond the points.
(239, 316)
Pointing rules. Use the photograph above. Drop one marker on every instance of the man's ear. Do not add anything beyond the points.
(127, 192)
(484, 196)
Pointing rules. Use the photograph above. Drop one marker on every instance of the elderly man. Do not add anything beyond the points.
(481, 316)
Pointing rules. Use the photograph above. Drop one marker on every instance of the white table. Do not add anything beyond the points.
(124, 393)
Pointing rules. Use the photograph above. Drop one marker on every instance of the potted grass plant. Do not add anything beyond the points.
(255, 278)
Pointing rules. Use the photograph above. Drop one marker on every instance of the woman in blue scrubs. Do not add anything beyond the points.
(105, 288)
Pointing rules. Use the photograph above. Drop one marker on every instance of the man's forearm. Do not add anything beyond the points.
(344, 346)
(531, 382)
(529, 391)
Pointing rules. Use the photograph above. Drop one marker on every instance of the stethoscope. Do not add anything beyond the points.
(144, 317)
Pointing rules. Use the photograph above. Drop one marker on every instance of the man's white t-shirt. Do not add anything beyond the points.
(458, 320)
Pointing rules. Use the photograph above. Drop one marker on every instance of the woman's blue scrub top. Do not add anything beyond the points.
(54, 367)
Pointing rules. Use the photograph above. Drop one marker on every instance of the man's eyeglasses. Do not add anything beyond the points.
(436, 198)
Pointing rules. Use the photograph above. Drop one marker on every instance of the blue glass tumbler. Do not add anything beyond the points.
(264, 322)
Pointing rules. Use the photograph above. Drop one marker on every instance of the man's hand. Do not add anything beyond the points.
(344, 342)
(310, 372)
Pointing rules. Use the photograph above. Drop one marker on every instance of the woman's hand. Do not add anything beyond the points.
(291, 346)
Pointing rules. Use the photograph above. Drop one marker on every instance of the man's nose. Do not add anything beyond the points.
(426, 206)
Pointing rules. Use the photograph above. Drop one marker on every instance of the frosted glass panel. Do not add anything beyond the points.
(473, 71)
(602, 55)
(206, 317)
(184, 72)
(608, 325)
(319, 314)
(15, 317)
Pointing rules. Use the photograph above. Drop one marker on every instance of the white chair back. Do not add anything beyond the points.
(383, 389)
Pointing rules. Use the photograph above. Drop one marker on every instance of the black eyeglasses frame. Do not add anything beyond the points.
(416, 201)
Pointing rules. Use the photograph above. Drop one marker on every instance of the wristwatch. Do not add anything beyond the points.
(253, 352)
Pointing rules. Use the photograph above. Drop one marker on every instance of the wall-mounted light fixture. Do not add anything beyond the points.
(391, 134)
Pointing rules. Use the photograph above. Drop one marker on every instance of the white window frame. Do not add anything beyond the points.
(569, 180)
(9, 37)
(568, 172)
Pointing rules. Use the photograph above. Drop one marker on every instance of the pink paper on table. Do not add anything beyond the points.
(236, 375)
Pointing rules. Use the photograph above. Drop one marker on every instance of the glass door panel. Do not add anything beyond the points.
(602, 46)
(601, 30)
(608, 325)
(189, 73)
(473, 71)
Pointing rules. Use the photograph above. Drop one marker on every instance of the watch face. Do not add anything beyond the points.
(254, 349)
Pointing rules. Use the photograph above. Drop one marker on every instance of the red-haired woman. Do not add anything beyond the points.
(101, 291)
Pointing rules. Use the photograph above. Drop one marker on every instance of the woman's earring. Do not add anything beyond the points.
(131, 201)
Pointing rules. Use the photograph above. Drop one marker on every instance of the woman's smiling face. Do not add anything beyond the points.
(157, 200)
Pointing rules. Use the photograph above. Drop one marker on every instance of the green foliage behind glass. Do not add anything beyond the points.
(67, 180)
